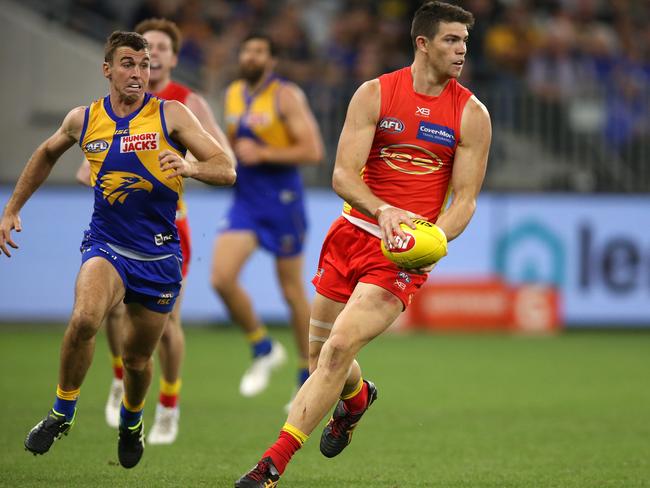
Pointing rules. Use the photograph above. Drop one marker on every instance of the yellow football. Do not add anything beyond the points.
(423, 246)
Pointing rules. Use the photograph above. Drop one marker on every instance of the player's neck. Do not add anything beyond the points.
(160, 85)
(254, 87)
(426, 80)
(122, 106)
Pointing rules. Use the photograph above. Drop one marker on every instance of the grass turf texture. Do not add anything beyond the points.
(453, 411)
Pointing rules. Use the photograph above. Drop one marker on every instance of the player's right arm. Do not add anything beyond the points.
(36, 172)
(213, 164)
(352, 153)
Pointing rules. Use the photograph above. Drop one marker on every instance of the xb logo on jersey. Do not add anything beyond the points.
(117, 185)
(410, 159)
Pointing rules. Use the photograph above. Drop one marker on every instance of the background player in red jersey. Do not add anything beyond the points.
(415, 133)
(164, 39)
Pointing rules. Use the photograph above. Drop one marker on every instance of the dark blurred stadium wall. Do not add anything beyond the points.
(567, 83)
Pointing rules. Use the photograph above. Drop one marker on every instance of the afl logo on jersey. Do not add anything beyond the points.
(391, 124)
(96, 146)
(410, 159)
(118, 185)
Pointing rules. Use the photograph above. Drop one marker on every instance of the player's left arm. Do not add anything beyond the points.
(202, 111)
(213, 165)
(306, 145)
(468, 173)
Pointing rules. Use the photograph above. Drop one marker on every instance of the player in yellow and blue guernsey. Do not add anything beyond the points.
(135, 144)
(273, 132)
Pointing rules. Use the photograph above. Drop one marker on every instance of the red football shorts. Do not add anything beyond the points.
(186, 243)
(351, 255)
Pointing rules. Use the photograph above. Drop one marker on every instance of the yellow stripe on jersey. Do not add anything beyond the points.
(258, 113)
(443, 207)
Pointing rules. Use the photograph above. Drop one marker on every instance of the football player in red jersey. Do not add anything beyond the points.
(164, 39)
(416, 133)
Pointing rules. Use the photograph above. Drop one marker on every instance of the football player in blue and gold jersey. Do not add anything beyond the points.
(135, 144)
(273, 132)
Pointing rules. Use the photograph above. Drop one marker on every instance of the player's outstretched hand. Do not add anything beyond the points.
(170, 161)
(248, 152)
(389, 219)
(8, 223)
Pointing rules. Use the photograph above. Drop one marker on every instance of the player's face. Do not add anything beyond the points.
(163, 59)
(447, 49)
(254, 60)
(128, 73)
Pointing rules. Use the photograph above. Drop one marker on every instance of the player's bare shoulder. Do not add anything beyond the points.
(177, 116)
(73, 122)
(475, 122)
(290, 94)
(366, 100)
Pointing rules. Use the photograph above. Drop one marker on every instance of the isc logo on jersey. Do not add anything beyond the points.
(148, 141)
(391, 124)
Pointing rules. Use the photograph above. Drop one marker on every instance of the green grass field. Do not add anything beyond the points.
(453, 411)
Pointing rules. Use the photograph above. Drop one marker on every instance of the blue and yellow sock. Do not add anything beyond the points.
(130, 416)
(303, 371)
(65, 402)
(260, 342)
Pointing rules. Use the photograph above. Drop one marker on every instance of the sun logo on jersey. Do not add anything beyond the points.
(117, 185)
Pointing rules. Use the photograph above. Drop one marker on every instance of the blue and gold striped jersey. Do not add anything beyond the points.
(256, 115)
(135, 203)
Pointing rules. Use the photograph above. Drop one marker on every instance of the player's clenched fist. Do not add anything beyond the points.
(170, 161)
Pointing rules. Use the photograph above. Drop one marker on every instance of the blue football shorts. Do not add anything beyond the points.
(153, 284)
(280, 229)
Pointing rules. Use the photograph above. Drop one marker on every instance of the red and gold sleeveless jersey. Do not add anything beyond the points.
(412, 154)
(179, 92)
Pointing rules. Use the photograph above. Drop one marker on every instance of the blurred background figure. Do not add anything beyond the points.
(273, 133)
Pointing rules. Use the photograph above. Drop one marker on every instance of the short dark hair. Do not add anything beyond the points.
(428, 17)
(262, 37)
(120, 39)
(163, 25)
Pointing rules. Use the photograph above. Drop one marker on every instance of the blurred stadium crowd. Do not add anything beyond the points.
(566, 80)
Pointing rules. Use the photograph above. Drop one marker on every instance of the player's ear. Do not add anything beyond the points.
(106, 69)
(422, 44)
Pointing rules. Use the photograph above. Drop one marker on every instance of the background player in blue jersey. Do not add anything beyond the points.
(273, 132)
(165, 42)
(135, 145)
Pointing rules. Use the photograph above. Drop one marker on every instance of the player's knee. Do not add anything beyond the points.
(222, 283)
(135, 362)
(84, 324)
(293, 294)
(314, 354)
(337, 353)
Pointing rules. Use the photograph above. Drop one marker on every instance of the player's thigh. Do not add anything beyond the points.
(142, 330)
(173, 326)
(370, 311)
(231, 251)
(98, 289)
